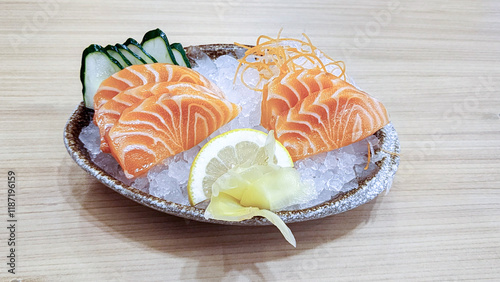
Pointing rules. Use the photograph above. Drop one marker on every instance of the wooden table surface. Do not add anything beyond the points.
(434, 65)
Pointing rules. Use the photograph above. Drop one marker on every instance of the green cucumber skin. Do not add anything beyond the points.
(113, 48)
(121, 47)
(93, 48)
(133, 42)
(179, 48)
(158, 33)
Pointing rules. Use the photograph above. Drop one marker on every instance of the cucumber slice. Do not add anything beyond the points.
(131, 56)
(97, 65)
(180, 55)
(155, 42)
(135, 47)
(113, 52)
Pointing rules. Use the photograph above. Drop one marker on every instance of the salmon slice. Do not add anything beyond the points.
(285, 91)
(107, 115)
(137, 75)
(329, 119)
(165, 125)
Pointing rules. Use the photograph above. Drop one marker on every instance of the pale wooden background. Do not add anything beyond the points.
(434, 65)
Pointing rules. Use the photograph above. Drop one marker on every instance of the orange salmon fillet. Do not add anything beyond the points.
(137, 75)
(329, 119)
(109, 113)
(285, 91)
(164, 125)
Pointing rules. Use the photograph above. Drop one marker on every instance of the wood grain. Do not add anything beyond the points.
(434, 65)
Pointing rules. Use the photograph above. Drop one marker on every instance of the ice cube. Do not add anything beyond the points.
(349, 186)
(141, 183)
(205, 65)
(331, 161)
(190, 154)
(226, 65)
(179, 171)
(91, 139)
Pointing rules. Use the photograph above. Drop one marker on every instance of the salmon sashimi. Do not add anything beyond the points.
(107, 115)
(137, 75)
(329, 119)
(165, 125)
(285, 91)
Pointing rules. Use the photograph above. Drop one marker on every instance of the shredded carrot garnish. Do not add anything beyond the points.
(308, 57)
(263, 36)
(274, 56)
(369, 156)
(242, 45)
(279, 33)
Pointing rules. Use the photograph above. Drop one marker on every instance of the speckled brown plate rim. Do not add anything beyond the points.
(366, 191)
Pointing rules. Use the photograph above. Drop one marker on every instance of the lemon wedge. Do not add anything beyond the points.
(233, 149)
(246, 173)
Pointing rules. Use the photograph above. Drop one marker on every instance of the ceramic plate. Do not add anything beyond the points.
(366, 191)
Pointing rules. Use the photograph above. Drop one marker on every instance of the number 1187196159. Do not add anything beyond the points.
(11, 221)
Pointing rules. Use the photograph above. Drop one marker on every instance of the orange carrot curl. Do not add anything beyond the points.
(274, 56)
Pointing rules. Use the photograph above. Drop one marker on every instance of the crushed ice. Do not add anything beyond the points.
(331, 173)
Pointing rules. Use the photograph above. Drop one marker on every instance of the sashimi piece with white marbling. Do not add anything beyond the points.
(110, 112)
(164, 125)
(329, 119)
(284, 91)
(137, 75)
